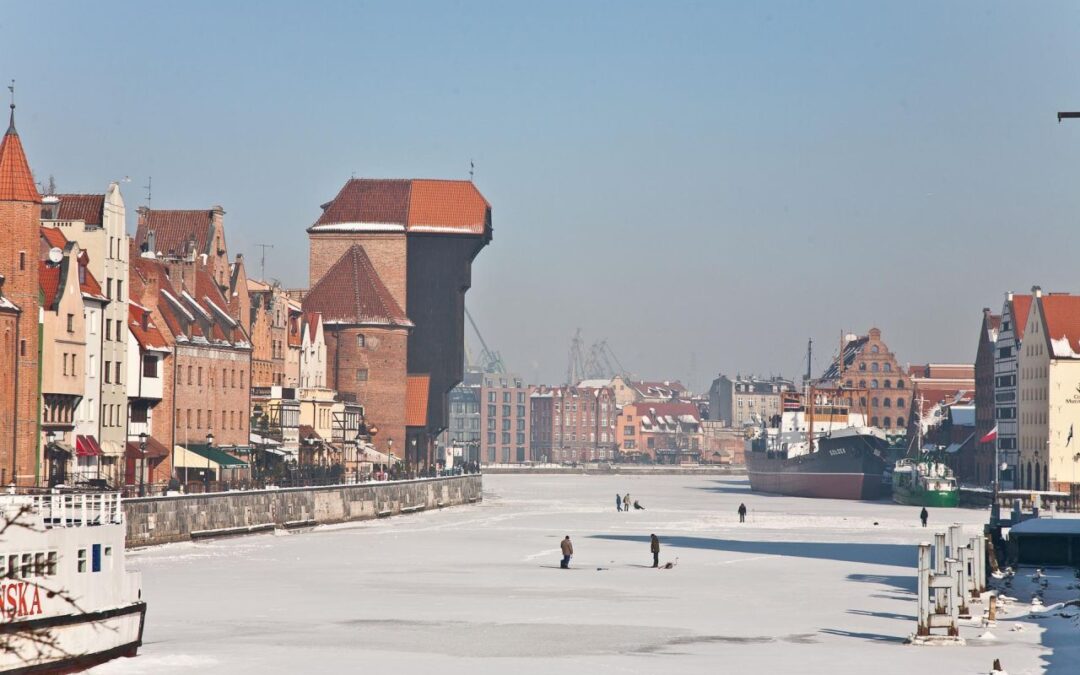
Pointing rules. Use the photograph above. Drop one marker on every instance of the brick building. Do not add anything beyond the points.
(641, 391)
(20, 218)
(665, 433)
(269, 331)
(878, 387)
(582, 427)
(186, 234)
(211, 372)
(149, 382)
(746, 399)
(366, 334)
(421, 237)
(981, 471)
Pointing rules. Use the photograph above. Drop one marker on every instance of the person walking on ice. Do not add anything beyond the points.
(742, 513)
(924, 516)
(618, 502)
(626, 502)
(654, 546)
(567, 551)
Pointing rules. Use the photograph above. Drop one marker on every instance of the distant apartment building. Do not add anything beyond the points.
(504, 419)
(663, 433)
(542, 430)
(978, 469)
(628, 390)
(1014, 313)
(582, 427)
(464, 432)
(746, 400)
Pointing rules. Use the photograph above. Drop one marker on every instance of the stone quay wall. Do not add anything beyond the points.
(161, 520)
(621, 469)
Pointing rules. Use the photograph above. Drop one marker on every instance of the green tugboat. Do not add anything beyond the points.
(924, 482)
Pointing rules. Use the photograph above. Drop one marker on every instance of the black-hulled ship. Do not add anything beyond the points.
(818, 448)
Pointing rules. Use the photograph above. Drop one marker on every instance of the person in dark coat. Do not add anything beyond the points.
(924, 516)
(618, 502)
(567, 551)
(654, 546)
(637, 506)
(742, 513)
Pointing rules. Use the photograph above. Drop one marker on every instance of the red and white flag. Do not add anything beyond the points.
(990, 436)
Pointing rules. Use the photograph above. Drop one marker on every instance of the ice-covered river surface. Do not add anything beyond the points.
(804, 586)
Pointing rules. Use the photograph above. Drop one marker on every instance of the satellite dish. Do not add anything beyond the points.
(55, 255)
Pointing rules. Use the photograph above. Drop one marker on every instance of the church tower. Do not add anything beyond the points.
(20, 220)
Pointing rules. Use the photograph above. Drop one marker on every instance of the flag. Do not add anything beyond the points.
(990, 436)
(1069, 439)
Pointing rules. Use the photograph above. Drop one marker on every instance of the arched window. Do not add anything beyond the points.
(899, 403)
(848, 384)
(899, 422)
(873, 384)
(1028, 482)
(899, 384)
(862, 384)
(873, 367)
(874, 402)
(862, 366)
(887, 423)
(873, 421)
(888, 384)
(1038, 477)
(874, 349)
(887, 403)
(361, 341)
(862, 401)
(888, 367)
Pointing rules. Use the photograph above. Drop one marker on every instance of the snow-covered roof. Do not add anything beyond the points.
(1058, 525)
(962, 415)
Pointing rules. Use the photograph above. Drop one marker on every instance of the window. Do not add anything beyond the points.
(361, 341)
(888, 384)
(22, 347)
(22, 260)
(874, 402)
(108, 329)
(108, 288)
(899, 404)
(81, 558)
(874, 349)
(873, 367)
(119, 295)
(862, 366)
(899, 422)
(189, 418)
(873, 384)
(899, 384)
(108, 371)
(506, 411)
(189, 374)
(888, 367)
(178, 418)
(138, 414)
(149, 365)
(862, 384)
(628, 430)
(71, 323)
(888, 423)
(1005, 352)
(27, 566)
(361, 374)
(198, 380)
(50, 563)
(198, 418)
(118, 372)
(873, 421)
(887, 403)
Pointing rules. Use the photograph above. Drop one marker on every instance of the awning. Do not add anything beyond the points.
(112, 448)
(154, 449)
(200, 457)
(87, 446)
(275, 451)
(61, 449)
(256, 439)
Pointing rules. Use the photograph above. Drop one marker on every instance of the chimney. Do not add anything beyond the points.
(1036, 291)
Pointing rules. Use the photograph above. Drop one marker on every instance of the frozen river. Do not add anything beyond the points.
(804, 586)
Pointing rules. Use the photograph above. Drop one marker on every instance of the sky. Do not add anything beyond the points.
(705, 185)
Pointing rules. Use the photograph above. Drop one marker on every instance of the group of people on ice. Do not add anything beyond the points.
(622, 503)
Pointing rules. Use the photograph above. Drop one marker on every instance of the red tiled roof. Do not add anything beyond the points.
(89, 284)
(416, 400)
(352, 292)
(674, 409)
(1061, 318)
(88, 208)
(54, 237)
(49, 280)
(16, 179)
(419, 205)
(311, 324)
(149, 337)
(307, 431)
(154, 449)
(173, 230)
(1021, 305)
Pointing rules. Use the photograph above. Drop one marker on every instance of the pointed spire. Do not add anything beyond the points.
(16, 179)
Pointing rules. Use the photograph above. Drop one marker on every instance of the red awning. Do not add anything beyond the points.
(87, 446)
(154, 449)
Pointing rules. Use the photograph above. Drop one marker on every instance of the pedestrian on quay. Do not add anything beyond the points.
(567, 551)
(654, 546)
(742, 513)
(618, 502)
(626, 502)
(924, 516)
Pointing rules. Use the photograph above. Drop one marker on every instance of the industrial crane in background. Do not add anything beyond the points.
(598, 363)
(490, 360)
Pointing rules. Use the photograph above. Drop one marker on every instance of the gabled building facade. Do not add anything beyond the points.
(982, 461)
(1014, 315)
(878, 386)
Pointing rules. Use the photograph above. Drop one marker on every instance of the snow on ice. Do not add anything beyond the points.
(804, 586)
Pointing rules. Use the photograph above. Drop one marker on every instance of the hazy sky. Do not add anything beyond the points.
(708, 182)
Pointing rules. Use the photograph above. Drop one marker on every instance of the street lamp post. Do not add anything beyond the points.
(50, 438)
(389, 455)
(142, 470)
(206, 476)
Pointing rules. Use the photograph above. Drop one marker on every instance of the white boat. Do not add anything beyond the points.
(66, 601)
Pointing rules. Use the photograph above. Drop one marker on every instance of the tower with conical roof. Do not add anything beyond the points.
(20, 219)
